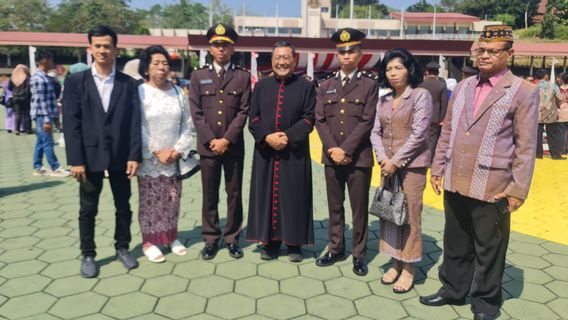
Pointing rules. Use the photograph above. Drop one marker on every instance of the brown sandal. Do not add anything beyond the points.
(390, 276)
(404, 278)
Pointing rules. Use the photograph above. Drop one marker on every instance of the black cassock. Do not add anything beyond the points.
(280, 202)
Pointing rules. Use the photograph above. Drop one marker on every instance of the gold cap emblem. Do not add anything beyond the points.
(220, 30)
(344, 36)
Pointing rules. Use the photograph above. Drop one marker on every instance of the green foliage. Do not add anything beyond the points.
(490, 9)
(20, 15)
(378, 11)
(506, 18)
(424, 6)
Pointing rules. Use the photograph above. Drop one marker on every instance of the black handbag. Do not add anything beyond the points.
(390, 205)
(190, 165)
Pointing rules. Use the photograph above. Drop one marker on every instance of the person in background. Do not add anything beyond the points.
(468, 71)
(563, 113)
(131, 68)
(19, 87)
(10, 121)
(549, 104)
(43, 111)
(439, 93)
(166, 136)
(401, 145)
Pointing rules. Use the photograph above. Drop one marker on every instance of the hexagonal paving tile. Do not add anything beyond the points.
(210, 286)
(60, 254)
(53, 222)
(330, 307)
(528, 291)
(419, 311)
(129, 305)
(62, 269)
(560, 306)
(149, 269)
(256, 287)
(164, 285)
(320, 273)
(278, 270)
(302, 287)
(524, 260)
(281, 306)
(70, 285)
(10, 256)
(19, 242)
(231, 306)
(23, 268)
(522, 309)
(28, 305)
(560, 288)
(98, 316)
(528, 274)
(13, 232)
(385, 291)
(78, 305)
(557, 259)
(46, 233)
(236, 270)
(347, 288)
(380, 308)
(559, 273)
(24, 285)
(527, 248)
(181, 305)
(117, 285)
(57, 242)
(194, 269)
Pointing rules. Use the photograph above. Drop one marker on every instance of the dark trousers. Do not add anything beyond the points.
(564, 135)
(211, 180)
(89, 193)
(23, 120)
(433, 136)
(358, 181)
(476, 236)
(554, 134)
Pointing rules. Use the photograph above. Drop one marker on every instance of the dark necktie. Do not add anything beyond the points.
(221, 74)
(345, 81)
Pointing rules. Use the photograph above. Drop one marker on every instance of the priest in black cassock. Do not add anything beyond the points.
(281, 119)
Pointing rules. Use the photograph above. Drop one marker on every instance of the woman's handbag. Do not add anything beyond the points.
(190, 165)
(390, 205)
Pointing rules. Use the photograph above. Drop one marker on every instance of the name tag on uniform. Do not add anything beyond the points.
(206, 81)
(332, 91)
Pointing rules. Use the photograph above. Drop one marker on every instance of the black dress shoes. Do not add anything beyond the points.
(436, 300)
(330, 258)
(269, 251)
(295, 254)
(124, 256)
(88, 267)
(209, 251)
(234, 250)
(483, 316)
(360, 267)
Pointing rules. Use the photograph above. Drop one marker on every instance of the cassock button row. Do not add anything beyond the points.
(219, 123)
(234, 93)
(221, 91)
(356, 100)
(340, 121)
(220, 101)
(341, 133)
(219, 112)
(329, 101)
(207, 92)
(342, 100)
(342, 111)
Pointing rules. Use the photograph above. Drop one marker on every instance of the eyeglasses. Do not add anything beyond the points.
(491, 52)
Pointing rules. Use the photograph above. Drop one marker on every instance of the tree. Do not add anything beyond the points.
(18, 15)
(421, 6)
(449, 5)
(222, 13)
(362, 11)
(185, 15)
(506, 18)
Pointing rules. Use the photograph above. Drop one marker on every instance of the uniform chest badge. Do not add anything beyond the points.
(331, 91)
(206, 81)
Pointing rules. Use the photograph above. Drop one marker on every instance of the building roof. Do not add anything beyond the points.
(442, 17)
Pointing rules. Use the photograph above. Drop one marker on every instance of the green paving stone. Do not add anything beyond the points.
(346, 269)
(112, 269)
(231, 306)
(62, 269)
(24, 285)
(256, 317)
(385, 291)
(70, 286)
(529, 275)
(557, 259)
(522, 309)
(129, 305)
(319, 273)
(210, 286)
(17, 231)
(164, 285)
(277, 270)
(57, 242)
(256, 287)
(11, 256)
(78, 305)
(42, 316)
(347, 288)
(330, 307)
(23, 268)
(307, 317)
(59, 254)
(380, 308)
(236, 270)
(46, 233)
(527, 248)
(194, 269)
(181, 305)
(281, 306)
(114, 286)
(19, 242)
(13, 223)
(204, 316)
(415, 309)
(526, 238)
(48, 223)
(560, 288)
(45, 207)
(151, 316)
(528, 291)
(560, 306)
(555, 247)
(149, 269)
(302, 287)
(49, 215)
(524, 260)
(559, 273)
(28, 305)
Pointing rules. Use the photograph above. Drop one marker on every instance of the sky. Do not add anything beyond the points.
(286, 8)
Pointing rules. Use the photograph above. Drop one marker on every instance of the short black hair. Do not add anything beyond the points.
(539, 74)
(146, 58)
(564, 77)
(101, 31)
(415, 75)
(284, 44)
(43, 55)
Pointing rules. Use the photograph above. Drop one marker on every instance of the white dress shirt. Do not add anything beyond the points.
(104, 85)
(218, 67)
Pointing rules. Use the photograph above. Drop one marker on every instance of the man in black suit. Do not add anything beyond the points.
(101, 113)
(439, 92)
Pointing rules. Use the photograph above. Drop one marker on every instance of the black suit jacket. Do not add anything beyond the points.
(97, 139)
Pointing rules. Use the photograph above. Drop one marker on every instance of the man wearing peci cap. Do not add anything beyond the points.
(485, 156)
(439, 91)
(219, 100)
(345, 111)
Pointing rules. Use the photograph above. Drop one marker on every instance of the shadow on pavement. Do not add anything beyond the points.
(8, 191)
